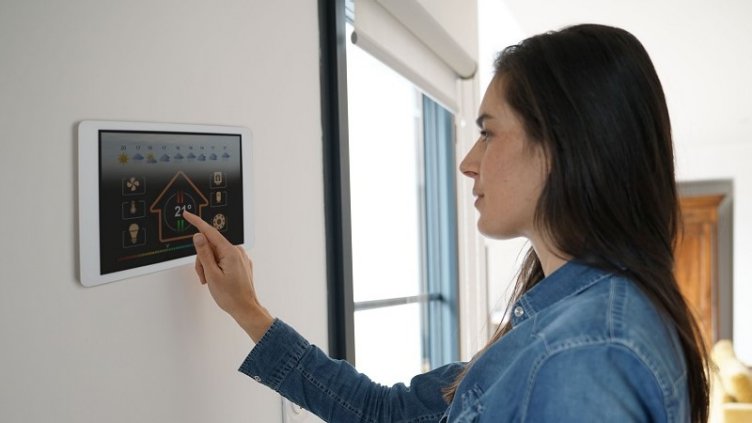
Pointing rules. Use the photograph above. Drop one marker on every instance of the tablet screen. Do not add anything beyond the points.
(146, 181)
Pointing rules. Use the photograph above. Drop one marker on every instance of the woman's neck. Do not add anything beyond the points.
(550, 257)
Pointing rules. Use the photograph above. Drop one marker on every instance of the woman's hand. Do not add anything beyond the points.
(228, 272)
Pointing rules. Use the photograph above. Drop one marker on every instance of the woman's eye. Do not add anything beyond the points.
(484, 134)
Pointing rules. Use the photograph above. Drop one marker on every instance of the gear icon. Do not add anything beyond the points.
(219, 222)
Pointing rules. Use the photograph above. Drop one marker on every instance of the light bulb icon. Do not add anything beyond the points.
(133, 231)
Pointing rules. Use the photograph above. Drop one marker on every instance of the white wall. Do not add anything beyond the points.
(700, 51)
(153, 348)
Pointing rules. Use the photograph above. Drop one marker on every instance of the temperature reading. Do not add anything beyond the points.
(180, 195)
(180, 209)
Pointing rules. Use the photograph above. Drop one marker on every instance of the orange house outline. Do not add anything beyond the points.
(158, 210)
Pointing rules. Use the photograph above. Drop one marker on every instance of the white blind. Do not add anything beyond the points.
(407, 38)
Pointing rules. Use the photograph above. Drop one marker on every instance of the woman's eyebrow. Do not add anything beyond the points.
(481, 118)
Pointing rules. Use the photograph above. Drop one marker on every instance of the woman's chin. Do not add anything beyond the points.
(496, 231)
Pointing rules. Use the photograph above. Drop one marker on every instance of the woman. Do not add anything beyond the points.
(575, 154)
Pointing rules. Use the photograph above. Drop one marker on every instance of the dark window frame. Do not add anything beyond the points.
(333, 70)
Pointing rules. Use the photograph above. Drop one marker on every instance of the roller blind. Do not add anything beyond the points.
(407, 38)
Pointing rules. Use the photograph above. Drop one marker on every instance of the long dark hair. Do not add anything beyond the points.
(591, 96)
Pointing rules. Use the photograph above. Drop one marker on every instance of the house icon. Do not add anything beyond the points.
(179, 195)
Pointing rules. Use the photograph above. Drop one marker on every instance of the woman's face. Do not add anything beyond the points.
(507, 169)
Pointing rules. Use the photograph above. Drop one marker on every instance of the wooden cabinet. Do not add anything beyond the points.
(697, 261)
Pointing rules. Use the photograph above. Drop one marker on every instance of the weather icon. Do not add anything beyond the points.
(225, 156)
(123, 158)
(191, 156)
(213, 156)
(137, 156)
(201, 158)
(150, 158)
(178, 157)
(164, 158)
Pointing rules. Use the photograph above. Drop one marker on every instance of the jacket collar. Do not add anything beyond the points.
(571, 278)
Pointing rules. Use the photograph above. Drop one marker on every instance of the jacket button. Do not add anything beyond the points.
(518, 311)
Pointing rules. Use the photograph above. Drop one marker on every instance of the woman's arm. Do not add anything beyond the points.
(287, 363)
(228, 272)
(334, 390)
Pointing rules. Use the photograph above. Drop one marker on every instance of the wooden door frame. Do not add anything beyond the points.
(725, 261)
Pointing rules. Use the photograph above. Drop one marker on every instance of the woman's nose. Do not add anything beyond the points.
(469, 165)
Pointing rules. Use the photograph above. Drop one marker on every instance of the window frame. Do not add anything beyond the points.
(334, 126)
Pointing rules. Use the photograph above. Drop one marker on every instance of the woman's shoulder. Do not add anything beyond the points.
(614, 309)
(605, 343)
(615, 315)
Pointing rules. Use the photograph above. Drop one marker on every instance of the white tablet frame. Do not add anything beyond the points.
(88, 193)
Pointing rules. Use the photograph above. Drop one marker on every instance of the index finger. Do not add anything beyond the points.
(215, 238)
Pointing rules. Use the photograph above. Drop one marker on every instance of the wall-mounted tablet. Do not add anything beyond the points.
(136, 179)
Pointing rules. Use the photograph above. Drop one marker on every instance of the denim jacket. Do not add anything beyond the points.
(586, 345)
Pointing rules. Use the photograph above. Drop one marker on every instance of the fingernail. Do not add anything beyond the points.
(199, 240)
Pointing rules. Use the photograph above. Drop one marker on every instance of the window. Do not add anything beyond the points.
(403, 223)
(391, 189)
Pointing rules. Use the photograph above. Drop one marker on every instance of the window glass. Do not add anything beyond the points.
(389, 353)
(402, 222)
(383, 119)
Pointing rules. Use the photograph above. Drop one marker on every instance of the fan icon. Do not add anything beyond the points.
(133, 186)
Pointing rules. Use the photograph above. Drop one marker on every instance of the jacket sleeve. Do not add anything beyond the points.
(333, 390)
